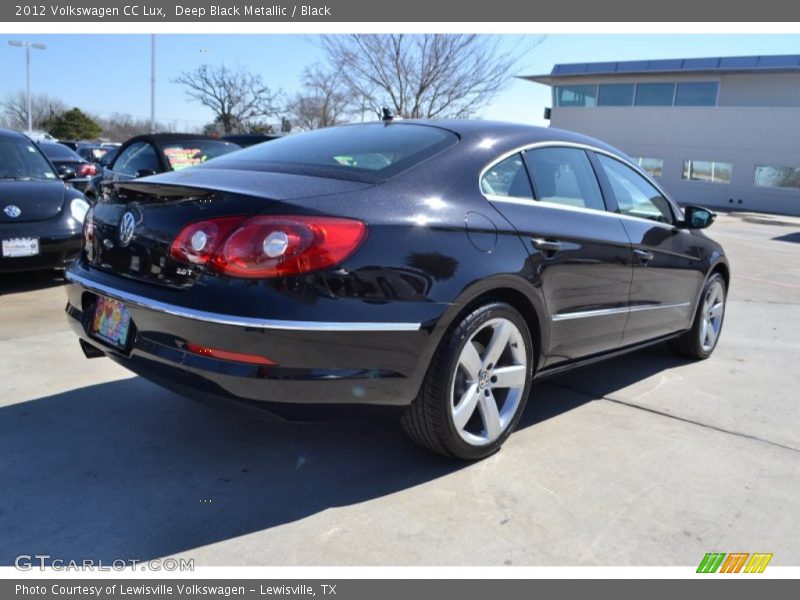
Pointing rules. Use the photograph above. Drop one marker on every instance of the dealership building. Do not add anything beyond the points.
(723, 132)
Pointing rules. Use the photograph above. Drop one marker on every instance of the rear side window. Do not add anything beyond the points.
(564, 176)
(365, 152)
(508, 178)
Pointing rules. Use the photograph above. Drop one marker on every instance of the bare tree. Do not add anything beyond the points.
(119, 127)
(423, 76)
(43, 108)
(236, 96)
(325, 99)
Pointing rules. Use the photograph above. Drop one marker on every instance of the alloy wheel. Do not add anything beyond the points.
(711, 314)
(488, 382)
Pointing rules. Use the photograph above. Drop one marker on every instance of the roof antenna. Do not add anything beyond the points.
(388, 116)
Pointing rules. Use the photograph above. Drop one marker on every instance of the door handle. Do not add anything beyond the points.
(547, 245)
(643, 255)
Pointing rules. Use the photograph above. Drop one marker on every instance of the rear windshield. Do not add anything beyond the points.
(364, 152)
(94, 154)
(189, 153)
(59, 152)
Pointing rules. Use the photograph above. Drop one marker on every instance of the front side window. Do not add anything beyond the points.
(784, 177)
(576, 95)
(708, 171)
(564, 176)
(636, 197)
(655, 94)
(508, 178)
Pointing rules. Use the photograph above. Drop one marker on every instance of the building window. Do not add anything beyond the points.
(696, 93)
(576, 95)
(655, 94)
(615, 94)
(651, 166)
(785, 177)
(707, 170)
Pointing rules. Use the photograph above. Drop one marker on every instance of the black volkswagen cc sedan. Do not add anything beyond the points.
(435, 266)
(40, 216)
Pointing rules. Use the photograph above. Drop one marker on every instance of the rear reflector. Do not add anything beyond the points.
(253, 359)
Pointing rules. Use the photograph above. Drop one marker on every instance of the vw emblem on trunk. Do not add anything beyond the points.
(12, 211)
(126, 227)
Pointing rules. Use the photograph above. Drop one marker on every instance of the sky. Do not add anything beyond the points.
(103, 74)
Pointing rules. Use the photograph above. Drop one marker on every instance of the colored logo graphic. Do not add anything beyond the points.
(735, 562)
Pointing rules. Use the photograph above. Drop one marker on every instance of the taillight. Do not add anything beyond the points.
(269, 246)
(197, 242)
(88, 232)
(86, 170)
(88, 226)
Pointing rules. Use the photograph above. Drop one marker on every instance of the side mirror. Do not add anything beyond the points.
(145, 172)
(66, 173)
(697, 217)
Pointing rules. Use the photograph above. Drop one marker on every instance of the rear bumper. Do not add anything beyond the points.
(318, 363)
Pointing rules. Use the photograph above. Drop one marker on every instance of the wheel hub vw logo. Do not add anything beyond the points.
(12, 211)
(126, 226)
(483, 379)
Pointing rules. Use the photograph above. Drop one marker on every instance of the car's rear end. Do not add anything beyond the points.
(81, 170)
(257, 285)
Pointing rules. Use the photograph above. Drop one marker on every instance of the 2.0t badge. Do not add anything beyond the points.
(126, 226)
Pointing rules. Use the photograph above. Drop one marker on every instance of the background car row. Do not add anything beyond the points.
(47, 186)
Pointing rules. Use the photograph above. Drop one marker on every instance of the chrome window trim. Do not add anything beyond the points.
(558, 144)
(236, 321)
(604, 312)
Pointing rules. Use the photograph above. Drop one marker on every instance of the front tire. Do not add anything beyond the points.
(699, 341)
(476, 386)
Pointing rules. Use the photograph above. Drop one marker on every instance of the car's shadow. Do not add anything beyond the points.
(127, 470)
(28, 281)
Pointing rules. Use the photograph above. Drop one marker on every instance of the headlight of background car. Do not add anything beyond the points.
(79, 208)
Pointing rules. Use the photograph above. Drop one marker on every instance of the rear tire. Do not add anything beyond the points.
(699, 341)
(477, 385)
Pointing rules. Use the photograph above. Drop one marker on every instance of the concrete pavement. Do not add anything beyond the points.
(642, 460)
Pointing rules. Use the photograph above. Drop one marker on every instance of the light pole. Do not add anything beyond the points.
(153, 83)
(28, 46)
